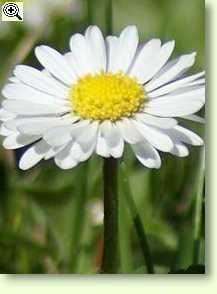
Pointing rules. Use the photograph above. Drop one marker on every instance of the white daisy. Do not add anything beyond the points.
(99, 96)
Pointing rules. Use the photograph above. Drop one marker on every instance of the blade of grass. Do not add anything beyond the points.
(79, 216)
(109, 17)
(137, 220)
(90, 12)
(126, 256)
(198, 209)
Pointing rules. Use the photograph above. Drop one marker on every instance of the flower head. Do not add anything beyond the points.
(99, 96)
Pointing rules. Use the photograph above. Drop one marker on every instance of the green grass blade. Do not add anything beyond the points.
(109, 17)
(136, 220)
(198, 210)
(90, 8)
(79, 216)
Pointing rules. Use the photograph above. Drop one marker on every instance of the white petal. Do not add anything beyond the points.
(118, 149)
(55, 63)
(6, 115)
(195, 118)
(52, 152)
(77, 153)
(113, 139)
(64, 158)
(109, 141)
(180, 109)
(14, 124)
(112, 47)
(128, 131)
(197, 82)
(86, 135)
(102, 148)
(192, 92)
(180, 150)
(5, 131)
(157, 61)
(171, 72)
(144, 60)
(96, 42)
(164, 54)
(62, 135)
(176, 105)
(70, 59)
(147, 155)
(17, 140)
(110, 132)
(28, 108)
(156, 137)
(26, 93)
(126, 48)
(186, 136)
(58, 136)
(174, 85)
(39, 80)
(160, 122)
(33, 155)
(80, 58)
(65, 163)
(77, 149)
(14, 80)
(39, 127)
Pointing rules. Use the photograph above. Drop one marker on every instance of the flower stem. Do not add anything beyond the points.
(110, 252)
(137, 221)
(198, 211)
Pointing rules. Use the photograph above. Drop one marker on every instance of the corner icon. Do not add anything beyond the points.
(12, 11)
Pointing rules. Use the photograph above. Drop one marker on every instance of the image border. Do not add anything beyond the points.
(151, 283)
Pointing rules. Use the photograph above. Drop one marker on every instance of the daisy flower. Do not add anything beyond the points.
(99, 96)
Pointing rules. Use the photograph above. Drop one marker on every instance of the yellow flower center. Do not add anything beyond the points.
(106, 96)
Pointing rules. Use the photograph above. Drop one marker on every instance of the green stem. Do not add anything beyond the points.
(110, 251)
(110, 261)
(108, 17)
(198, 211)
(137, 221)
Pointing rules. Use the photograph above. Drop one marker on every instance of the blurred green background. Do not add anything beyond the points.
(50, 219)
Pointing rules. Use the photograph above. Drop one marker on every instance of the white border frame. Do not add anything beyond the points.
(33, 284)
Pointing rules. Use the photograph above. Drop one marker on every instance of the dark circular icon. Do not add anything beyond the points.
(11, 10)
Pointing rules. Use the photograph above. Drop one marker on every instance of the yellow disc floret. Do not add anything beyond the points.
(106, 96)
